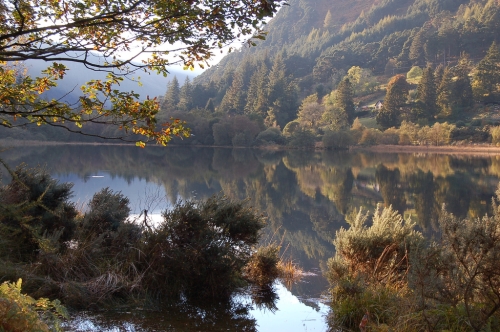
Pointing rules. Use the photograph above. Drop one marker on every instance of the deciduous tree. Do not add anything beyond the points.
(108, 36)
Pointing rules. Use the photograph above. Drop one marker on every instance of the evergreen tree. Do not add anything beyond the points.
(328, 22)
(282, 96)
(416, 53)
(487, 77)
(185, 96)
(172, 96)
(234, 99)
(344, 99)
(438, 75)
(395, 100)
(444, 93)
(257, 97)
(210, 105)
(426, 95)
(462, 88)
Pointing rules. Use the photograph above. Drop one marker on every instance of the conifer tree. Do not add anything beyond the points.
(328, 22)
(444, 93)
(438, 75)
(257, 99)
(416, 52)
(487, 77)
(210, 105)
(395, 99)
(172, 96)
(282, 96)
(462, 88)
(234, 99)
(185, 96)
(344, 99)
(426, 95)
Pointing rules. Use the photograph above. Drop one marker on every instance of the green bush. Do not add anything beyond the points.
(36, 214)
(201, 248)
(301, 139)
(337, 139)
(262, 268)
(415, 72)
(450, 284)
(199, 251)
(270, 136)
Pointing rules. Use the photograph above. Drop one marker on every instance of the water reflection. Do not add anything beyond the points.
(232, 316)
(306, 195)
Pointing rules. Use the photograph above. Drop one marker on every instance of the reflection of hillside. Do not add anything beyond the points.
(305, 195)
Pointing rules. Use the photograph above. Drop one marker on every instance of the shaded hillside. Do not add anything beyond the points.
(378, 35)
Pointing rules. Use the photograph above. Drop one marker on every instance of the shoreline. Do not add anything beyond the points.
(443, 149)
(485, 149)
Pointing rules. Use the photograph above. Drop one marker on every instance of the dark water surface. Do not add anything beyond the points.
(306, 196)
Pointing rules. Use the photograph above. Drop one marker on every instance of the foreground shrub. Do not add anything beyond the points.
(378, 253)
(262, 268)
(22, 313)
(452, 284)
(201, 248)
(460, 275)
(35, 214)
(199, 251)
(368, 272)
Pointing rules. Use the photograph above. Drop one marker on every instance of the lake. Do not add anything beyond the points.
(306, 196)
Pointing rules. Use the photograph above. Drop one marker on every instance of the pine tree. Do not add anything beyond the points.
(344, 99)
(234, 99)
(185, 96)
(395, 99)
(462, 88)
(282, 96)
(444, 93)
(210, 105)
(328, 22)
(172, 96)
(416, 54)
(426, 95)
(257, 98)
(438, 75)
(487, 77)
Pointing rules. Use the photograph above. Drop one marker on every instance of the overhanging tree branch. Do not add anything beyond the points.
(95, 33)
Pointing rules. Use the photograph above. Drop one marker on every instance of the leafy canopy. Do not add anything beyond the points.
(110, 36)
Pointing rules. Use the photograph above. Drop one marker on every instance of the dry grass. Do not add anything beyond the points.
(289, 272)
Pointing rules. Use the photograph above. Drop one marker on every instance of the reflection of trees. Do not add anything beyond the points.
(304, 194)
(422, 186)
(232, 316)
(391, 188)
(455, 191)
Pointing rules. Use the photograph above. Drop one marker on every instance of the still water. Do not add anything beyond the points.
(305, 195)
